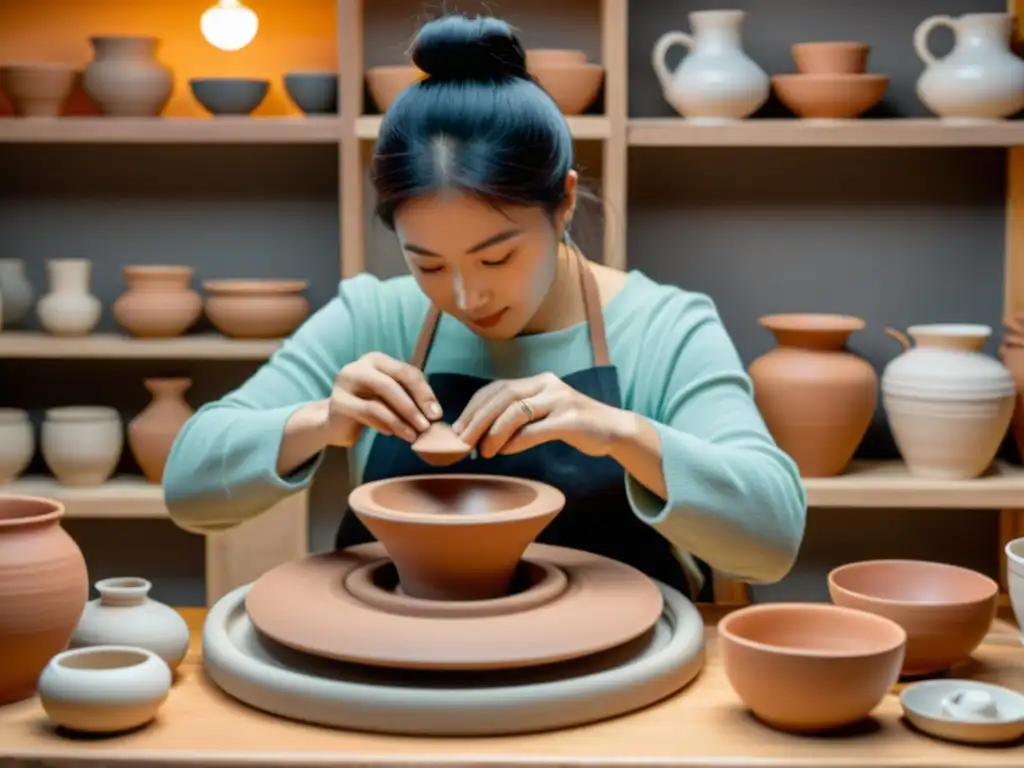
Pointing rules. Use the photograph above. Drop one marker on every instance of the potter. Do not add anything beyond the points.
(626, 395)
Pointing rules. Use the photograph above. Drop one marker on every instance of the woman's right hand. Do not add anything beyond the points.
(382, 393)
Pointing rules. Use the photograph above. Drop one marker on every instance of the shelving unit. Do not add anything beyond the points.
(27, 345)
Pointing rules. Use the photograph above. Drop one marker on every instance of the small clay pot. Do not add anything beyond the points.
(554, 57)
(830, 96)
(151, 434)
(572, 86)
(831, 58)
(159, 303)
(256, 309)
(37, 90)
(385, 83)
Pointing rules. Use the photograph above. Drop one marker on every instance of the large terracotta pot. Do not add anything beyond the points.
(43, 588)
(125, 79)
(816, 397)
(159, 302)
(152, 432)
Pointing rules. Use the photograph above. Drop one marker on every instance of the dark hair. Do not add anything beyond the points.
(478, 123)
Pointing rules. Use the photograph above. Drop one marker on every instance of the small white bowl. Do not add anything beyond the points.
(105, 688)
(924, 707)
(1015, 580)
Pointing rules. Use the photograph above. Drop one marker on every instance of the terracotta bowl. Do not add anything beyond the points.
(37, 90)
(810, 667)
(831, 58)
(256, 309)
(456, 537)
(945, 610)
(385, 83)
(830, 96)
(554, 57)
(573, 86)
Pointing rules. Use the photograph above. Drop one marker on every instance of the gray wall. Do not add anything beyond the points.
(895, 236)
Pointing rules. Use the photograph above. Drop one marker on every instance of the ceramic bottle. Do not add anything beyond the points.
(716, 80)
(69, 309)
(125, 79)
(981, 77)
(43, 588)
(17, 443)
(159, 302)
(82, 444)
(152, 432)
(16, 292)
(124, 614)
(949, 405)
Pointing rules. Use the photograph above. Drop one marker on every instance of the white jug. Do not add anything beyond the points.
(716, 81)
(981, 77)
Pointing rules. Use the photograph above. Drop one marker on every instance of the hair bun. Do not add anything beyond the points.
(460, 48)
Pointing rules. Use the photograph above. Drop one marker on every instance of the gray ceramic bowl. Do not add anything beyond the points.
(315, 93)
(229, 95)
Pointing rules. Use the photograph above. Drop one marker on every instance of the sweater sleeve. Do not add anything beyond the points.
(735, 500)
(221, 470)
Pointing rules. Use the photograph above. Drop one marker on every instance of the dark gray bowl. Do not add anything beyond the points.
(315, 93)
(229, 95)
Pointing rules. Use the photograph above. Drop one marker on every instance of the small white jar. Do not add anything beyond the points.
(82, 444)
(17, 443)
(104, 689)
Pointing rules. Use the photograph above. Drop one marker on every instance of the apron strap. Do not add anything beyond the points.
(591, 308)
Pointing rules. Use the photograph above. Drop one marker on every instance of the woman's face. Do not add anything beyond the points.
(488, 267)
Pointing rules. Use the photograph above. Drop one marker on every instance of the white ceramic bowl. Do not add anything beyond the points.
(104, 689)
(1015, 580)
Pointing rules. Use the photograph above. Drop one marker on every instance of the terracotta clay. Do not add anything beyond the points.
(159, 302)
(385, 83)
(830, 58)
(567, 76)
(810, 667)
(256, 309)
(831, 82)
(607, 603)
(439, 446)
(44, 585)
(152, 432)
(1013, 359)
(816, 397)
(37, 89)
(456, 537)
(945, 610)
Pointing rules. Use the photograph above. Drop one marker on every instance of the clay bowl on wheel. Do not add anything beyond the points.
(945, 610)
(456, 537)
(805, 667)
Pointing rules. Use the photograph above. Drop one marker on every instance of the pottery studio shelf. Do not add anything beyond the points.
(124, 497)
(171, 130)
(112, 346)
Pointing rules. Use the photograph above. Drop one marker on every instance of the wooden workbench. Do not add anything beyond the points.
(704, 726)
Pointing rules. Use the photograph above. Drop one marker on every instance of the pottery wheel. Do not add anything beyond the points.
(306, 605)
(266, 675)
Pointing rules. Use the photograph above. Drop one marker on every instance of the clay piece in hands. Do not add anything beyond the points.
(439, 446)
(965, 711)
(104, 689)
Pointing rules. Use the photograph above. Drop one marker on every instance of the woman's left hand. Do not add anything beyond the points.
(511, 416)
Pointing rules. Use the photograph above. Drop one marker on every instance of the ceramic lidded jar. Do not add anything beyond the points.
(69, 309)
(43, 588)
(82, 444)
(124, 614)
(981, 77)
(17, 443)
(816, 397)
(16, 293)
(716, 80)
(159, 302)
(152, 432)
(949, 405)
(125, 79)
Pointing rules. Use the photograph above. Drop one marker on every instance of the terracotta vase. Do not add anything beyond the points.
(1013, 359)
(816, 397)
(43, 588)
(159, 302)
(152, 432)
(125, 79)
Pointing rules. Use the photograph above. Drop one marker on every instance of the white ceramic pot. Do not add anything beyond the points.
(69, 309)
(125, 79)
(16, 294)
(716, 81)
(17, 443)
(82, 444)
(124, 614)
(1015, 580)
(105, 689)
(981, 77)
(949, 405)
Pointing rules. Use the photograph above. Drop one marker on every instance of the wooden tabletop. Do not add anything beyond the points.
(703, 726)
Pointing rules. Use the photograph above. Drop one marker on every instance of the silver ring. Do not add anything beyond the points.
(527, 409)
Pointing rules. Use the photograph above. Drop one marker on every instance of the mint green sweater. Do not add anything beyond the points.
(734, 499)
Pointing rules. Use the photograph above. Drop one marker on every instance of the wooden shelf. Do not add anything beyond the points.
(172, 130)
(585, 127)
(25, 345)
(887, 484)
(121, 498)
(676, 132)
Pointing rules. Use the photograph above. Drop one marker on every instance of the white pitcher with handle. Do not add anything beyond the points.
(716, 81)
(981, 77)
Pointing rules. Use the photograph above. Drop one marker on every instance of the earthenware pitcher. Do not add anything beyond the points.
(716, 80)
(981, 77)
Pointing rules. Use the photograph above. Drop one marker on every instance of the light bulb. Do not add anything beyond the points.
(229, 25)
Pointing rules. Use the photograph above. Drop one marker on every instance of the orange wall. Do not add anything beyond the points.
(293, 35)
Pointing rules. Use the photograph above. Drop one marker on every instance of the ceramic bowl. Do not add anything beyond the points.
(946, 610)
(932, 707)
(830, 96)
(256, 309)
(456, 537)
(810, 667)
(229, 95)
(831, 58)
(104, 689)
(573, 86)
(385, 83)
(554, 57)
(1015, 580)
(37, 90)
(315, 93)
